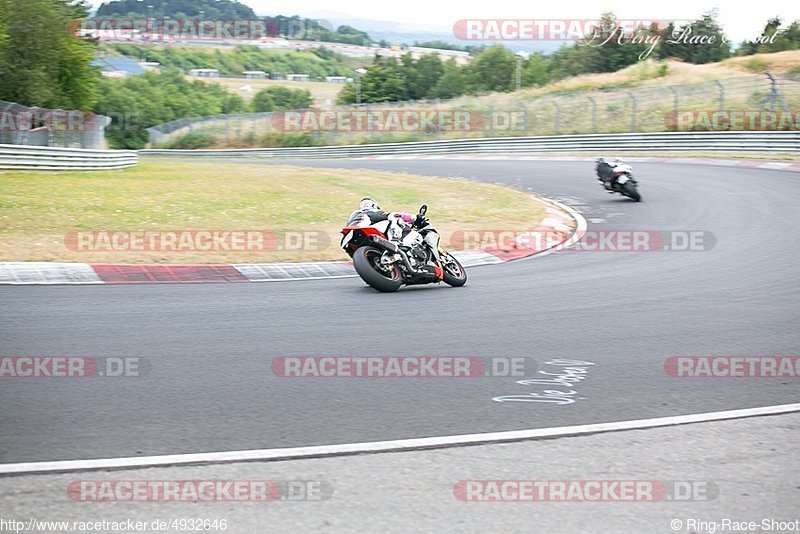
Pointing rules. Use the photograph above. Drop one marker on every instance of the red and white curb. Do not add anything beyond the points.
(560, 221)
(792, 166)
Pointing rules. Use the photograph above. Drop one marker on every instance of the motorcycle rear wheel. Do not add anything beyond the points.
(366, 260)
(632, 192)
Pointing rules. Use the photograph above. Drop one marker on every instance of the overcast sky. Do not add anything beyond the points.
(741, 19)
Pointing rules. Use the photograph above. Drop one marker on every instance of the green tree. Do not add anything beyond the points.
(683, 41)
(610, 48)
(234, 61)
(279, 98)
(430, 68)
(383, 82)
(347, 95)
(138, 102)
(262, 102)
(411, 77)
(535, 71)
(668, 49)
(43, 63)
(491, 70)
(774, 38)
(212, 9)
(452, 82)
(232, 104)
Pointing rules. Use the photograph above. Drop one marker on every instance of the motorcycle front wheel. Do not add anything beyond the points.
(454, 273)
(367, 261)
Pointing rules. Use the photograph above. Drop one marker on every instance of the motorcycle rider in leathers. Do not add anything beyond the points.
(369, 212)
(605, 172)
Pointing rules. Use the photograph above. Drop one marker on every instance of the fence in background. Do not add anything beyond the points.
(620, 110)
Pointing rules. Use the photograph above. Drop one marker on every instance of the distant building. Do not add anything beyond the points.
(459, 55)
(297, 77)
(275, 43)
(117, 67)
(204, 73)
(255, 74)
(335, 79)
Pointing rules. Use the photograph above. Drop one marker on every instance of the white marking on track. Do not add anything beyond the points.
(318, 451)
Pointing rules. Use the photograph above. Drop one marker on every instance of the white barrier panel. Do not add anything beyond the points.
(53, 158)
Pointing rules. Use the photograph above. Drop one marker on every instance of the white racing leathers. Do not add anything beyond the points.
(396, 229)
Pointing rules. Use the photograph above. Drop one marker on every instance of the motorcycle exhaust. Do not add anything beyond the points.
(391, 247)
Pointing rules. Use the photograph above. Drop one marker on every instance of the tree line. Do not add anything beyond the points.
(42, 64)
(136, 103)
(494, 68)
(317, 62)
(292, 27)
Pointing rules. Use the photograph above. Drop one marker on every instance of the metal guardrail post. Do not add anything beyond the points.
(721, 95)
(674, 100)
(558, 117)
(524, 118)
(594, 113)
(774, 97)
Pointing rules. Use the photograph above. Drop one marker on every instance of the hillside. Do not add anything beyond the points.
(233, 61)
(566, 107)
(647, 74)
(291, 27)
(211, 9)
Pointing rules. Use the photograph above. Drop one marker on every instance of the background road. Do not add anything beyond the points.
(210, 346)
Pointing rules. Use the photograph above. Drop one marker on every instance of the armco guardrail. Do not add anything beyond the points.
(784, 142)
(51, 158)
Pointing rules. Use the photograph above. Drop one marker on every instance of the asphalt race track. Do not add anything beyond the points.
(209, 347)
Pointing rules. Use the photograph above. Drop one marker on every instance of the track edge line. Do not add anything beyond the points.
(348, 449)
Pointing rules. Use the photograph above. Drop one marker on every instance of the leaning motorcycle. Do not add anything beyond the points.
(389, 254)
(623, 182)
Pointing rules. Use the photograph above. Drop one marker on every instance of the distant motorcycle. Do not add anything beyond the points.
(389, 254)
(617, 177)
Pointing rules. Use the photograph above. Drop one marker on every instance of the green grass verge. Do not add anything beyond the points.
(37, 209)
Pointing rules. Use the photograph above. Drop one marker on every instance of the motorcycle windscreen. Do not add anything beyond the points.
(354, 218)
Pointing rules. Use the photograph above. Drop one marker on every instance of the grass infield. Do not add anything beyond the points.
(39, 210)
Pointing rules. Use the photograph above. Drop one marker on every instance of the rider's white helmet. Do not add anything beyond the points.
(367, 204)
